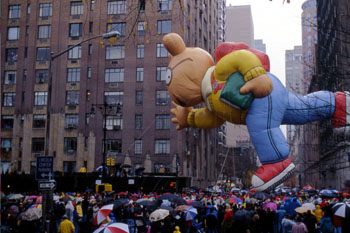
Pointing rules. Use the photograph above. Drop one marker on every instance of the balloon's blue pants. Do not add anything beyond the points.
(265, 116)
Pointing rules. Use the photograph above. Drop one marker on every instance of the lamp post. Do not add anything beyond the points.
(104, 108)
(47, 195)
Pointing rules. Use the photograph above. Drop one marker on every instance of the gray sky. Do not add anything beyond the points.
(279, 25)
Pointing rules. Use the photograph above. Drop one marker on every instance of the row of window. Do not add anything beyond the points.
(76, 29)
(161, 146)
(72, 98)
(112, 75)
(77, 8)
(113, 52)
(113, 122)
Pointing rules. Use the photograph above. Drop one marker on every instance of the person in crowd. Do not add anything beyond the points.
(211, 222)
(326, 225)
(310, 222)
(227, 223)
(299, 226)
(318, 213)
(278, 219)
(66, 226)
(337, 223)
(287, 223)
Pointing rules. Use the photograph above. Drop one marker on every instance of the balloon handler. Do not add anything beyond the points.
(240, 89)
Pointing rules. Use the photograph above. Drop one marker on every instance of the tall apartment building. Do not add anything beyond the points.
(116, 83)
(333, 75)
(260, 45)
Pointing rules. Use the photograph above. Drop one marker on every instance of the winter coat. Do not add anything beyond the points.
(326, 225)
(318, 213)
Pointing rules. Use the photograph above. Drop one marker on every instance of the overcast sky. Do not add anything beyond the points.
(279, 25)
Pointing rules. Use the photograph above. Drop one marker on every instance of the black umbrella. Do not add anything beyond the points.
(125, 166)
(179, 201)
(107, 200)
(147, 203)
(261, 196)
(196, 204)
(169, 197)
(242, 217)
(165, 207)
(119, 202)
(342, 209)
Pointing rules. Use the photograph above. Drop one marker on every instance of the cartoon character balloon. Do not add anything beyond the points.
(240, 89)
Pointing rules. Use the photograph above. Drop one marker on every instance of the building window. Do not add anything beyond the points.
(89, 72)
(161, 73)
(90, 49)
(24, 74)
(9, 99)
(139, 74)
(138, 146)
(114, 123)
(139, 98)
(11, 55)
(161, 51)
(38, 145)
(14, 11)
(45, 9)
(115, 52)
(92, 5)
(75, 29)
(12, 33)
(69, 166)
(163, 121)
(74, 53)
(116, 7)
(141, 26)
(39, 121)
(7, 121)
(25, 52)
(113, 145)
(73, 75)
(70, 145)
(164, 26)
(162, 146)
(76, 8)
(43, 54)
(72, 97)
(120, 27)
(44, 31)
(114, 75)
(71, 121)
(138, 121)
(114, 97)
(162, 97)
(28, 9)
(6, 148)
(40, 98)
(41, 76)
(10, 76)
(140, 51)
(27, 30)
(164, 5)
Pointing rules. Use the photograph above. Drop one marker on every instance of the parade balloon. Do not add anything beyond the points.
(240, 89)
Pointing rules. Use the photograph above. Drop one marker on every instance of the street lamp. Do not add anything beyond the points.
(53, 56)
(105, 108)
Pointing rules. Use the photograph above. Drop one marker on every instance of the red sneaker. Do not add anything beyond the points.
(269, 176)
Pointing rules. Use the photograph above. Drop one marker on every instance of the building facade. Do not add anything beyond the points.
(106, 94)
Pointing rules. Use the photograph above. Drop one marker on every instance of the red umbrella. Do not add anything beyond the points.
(122, 193)
(113, 228)
(232, 200)
(39, 199)
(103, 213)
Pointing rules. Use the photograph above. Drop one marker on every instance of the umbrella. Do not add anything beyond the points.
(32, 214)
(327, 193)
(119, 202)
(122, 193)
(196, 204)
(148, 203)
(165, 207)
(271, 205)
(232, 200)
(310, 205)
(113, 228)
(261, 196)
(39, 199)
(107, 200)
(13, 210)
(125, 166)
(158, 214)
(341, 209)
(235, 189)
(169, 197)
(179, 201)
(89, 190)
(308, 187)
(35, 206)
(15, 196)
(302, 209)
(190, 213)
(103, 213)
(182, 207)
(31, 197)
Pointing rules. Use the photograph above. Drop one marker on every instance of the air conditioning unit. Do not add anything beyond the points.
(116, 127)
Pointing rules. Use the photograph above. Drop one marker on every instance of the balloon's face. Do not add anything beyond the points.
(184, 76)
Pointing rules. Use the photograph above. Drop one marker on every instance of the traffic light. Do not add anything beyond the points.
(172, 184)
(112, 162)
(108, 161)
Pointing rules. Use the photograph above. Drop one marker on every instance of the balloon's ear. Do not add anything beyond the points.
(174, 43)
